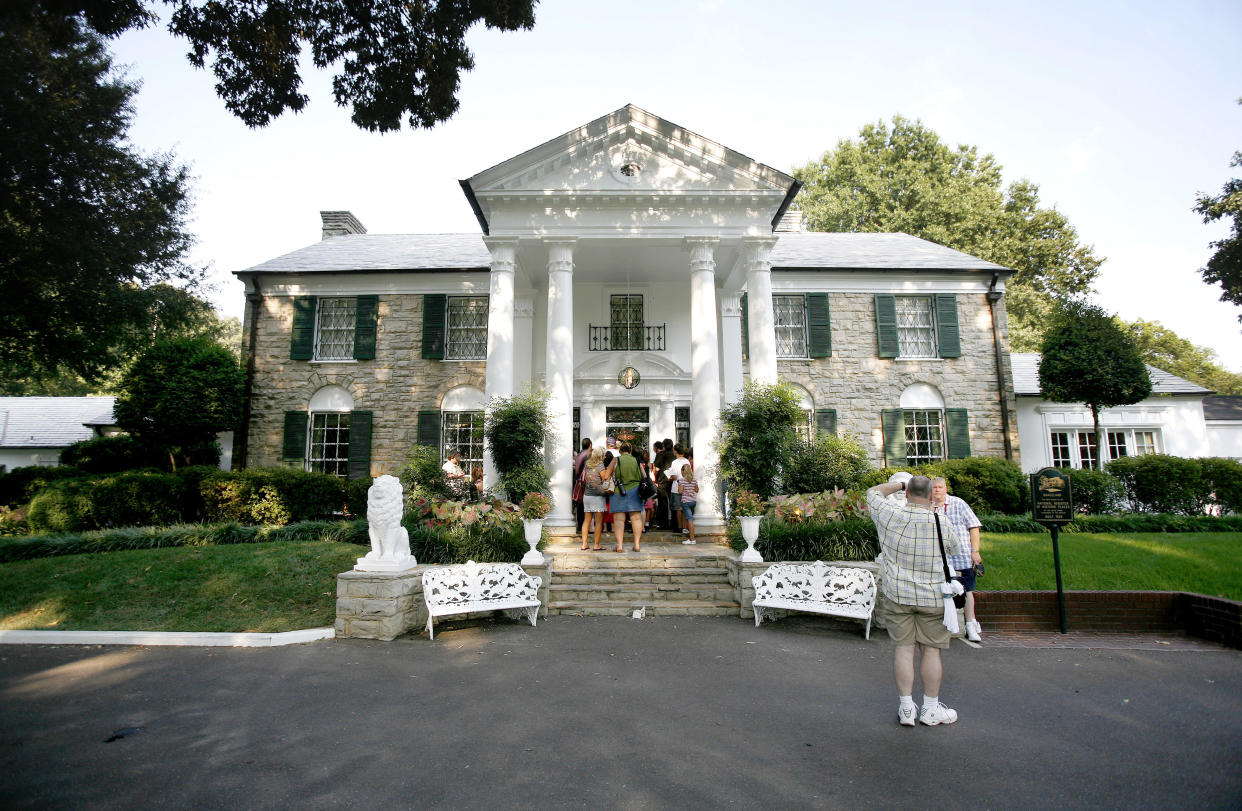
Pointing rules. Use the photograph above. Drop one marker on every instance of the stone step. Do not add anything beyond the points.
(616, 608)
(641, 592)
(597, 576)
(563, 561)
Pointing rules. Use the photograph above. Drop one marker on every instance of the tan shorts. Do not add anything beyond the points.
(908, 624)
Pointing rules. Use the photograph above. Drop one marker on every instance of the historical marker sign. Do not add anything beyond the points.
(1052, 499)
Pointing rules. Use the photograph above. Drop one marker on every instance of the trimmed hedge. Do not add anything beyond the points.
(21, 484)
(1096, 492)
(119, 500)
(116, 540)
(989, 484)
(1133, 522)
(113, 454)
(271, 496)
(843, 539)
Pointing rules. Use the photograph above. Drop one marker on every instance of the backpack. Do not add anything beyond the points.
(594, 484)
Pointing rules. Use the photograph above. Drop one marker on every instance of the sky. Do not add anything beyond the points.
(1122, 112)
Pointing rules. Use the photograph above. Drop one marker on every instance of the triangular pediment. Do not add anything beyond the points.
(629, 150)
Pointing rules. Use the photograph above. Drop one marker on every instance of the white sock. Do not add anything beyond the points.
(906, 701)
(931, 701)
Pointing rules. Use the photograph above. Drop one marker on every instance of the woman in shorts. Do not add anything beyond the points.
(594, 501)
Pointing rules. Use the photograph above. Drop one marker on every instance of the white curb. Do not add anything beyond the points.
(183, 638)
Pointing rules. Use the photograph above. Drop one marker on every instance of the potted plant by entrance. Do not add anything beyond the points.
(749, 509)
(534, 508)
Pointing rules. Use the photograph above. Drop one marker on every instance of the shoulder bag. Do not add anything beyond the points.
(959, 600)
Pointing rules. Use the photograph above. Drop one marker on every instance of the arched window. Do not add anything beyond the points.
(461, 425)
(922, 430)
(330, 436)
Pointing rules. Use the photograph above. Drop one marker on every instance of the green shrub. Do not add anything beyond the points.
(1224, 478)
(757, 436)
(120, 500)
(113, 454)
(1009, 523)
(271, 496)
(356, 496)
(1155, 522)
(422, 476)
(42, 546)
(517, 429)
(1095, 492)
(13, 522)
(989, 484)
(826, 463)
(21, 484)
(1159, 483)
(844, 539)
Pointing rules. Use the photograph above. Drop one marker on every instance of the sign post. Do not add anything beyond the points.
(1052, 504)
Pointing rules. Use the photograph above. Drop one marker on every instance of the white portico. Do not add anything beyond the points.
(629, 242)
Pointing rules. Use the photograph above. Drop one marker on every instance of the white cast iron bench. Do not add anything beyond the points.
(479, 587)
(841, 591)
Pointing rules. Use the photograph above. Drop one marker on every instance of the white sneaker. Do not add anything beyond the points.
(907, 714)
(937, 714)
(689, 543)
(685, 532)
(972, 631)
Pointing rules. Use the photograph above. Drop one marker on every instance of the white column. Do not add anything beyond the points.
(757, 252)
(559, 366)
(667, 422)
(705, 373)
(587, 424)
(731, 346)
(499, 375)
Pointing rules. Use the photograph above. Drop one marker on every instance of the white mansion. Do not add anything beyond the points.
(640, 273)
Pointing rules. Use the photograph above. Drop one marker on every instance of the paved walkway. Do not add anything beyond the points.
(608, 712)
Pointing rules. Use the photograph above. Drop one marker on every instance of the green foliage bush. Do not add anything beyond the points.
(113, 454)
(989, 484)
(994, 522)
(423, 476)
(1223, 477)
(444, 532)
(43, 546)
(757, 435)
(1159, 483)
(1095, 492)
(21, 484)
(826, 463)
(120, 500)
(271, 496)
(517, 429)
(1155, 522)
(843, 539)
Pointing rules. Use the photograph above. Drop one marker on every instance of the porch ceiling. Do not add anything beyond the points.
(610, 259)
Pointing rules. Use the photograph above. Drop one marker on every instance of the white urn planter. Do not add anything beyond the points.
(534, 532)
(750, 534)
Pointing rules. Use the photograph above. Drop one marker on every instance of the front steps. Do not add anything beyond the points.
(665, 579)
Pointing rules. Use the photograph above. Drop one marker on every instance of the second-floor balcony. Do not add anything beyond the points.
(648, 338)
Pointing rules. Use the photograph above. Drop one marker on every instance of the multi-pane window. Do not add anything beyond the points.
(1144, 443)
(790, 315)
(1116, 444)
(626, 320)
(916, 327)
(803, 425)
(1061, 450)
(467, 328)
(463, 431)
(329, 443)
(681, 416)
(1086, 449)
(334, 328)
(924, 436)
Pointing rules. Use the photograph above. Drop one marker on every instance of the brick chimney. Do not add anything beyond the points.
(340, 223)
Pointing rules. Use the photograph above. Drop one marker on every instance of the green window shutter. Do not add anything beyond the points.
(366, 316)
(826, 421)
(359, 445)
(745, 327)
(302, 345)
(435, 307)
(957, 426)
(429, 429)
(818, 325)
(886, 326)
(946, 326)
(894, 423)
(294, 450)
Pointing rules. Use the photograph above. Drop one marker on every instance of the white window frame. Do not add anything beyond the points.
(334, 336)
(924, 426)
(470, 443)
(1082, 444)
(456, 349)
(907, 345)
(323, 456)
(794, 328)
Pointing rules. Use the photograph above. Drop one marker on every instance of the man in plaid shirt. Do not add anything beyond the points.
(912, 602)
(959, 513)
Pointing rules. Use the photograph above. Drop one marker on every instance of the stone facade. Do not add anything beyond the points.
(859, 385)
(395, 386)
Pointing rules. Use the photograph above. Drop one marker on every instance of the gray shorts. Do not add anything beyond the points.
(674, 501)
(594, 504)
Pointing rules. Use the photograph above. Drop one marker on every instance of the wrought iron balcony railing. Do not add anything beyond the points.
(613, 339)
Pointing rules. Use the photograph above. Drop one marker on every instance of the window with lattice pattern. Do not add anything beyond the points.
(334, 328)
(790, 315)
(467, 328)
(916, 327)
(329, 443)
(626, 319)
(924, 436)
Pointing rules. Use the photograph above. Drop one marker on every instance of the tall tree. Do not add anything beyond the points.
(179, 394)
(396, 58)
(1087, 358)
(1225, 266)
(1165, 349)
(906, 179)
(87, 223)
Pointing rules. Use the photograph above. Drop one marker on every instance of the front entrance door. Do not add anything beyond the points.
(632, 425)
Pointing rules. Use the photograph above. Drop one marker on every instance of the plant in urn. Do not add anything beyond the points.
(749, 509)
(534, 508)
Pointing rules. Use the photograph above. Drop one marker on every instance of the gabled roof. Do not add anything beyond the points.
(1026, 378)
(1225, 407)
(51, 422)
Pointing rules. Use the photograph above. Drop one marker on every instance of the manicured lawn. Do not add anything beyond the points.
(267, 587)
(1202, 562)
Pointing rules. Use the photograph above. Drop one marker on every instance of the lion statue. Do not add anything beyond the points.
(389, 540)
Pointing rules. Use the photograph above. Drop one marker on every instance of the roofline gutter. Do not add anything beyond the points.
(794, 188)
(474, 204)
